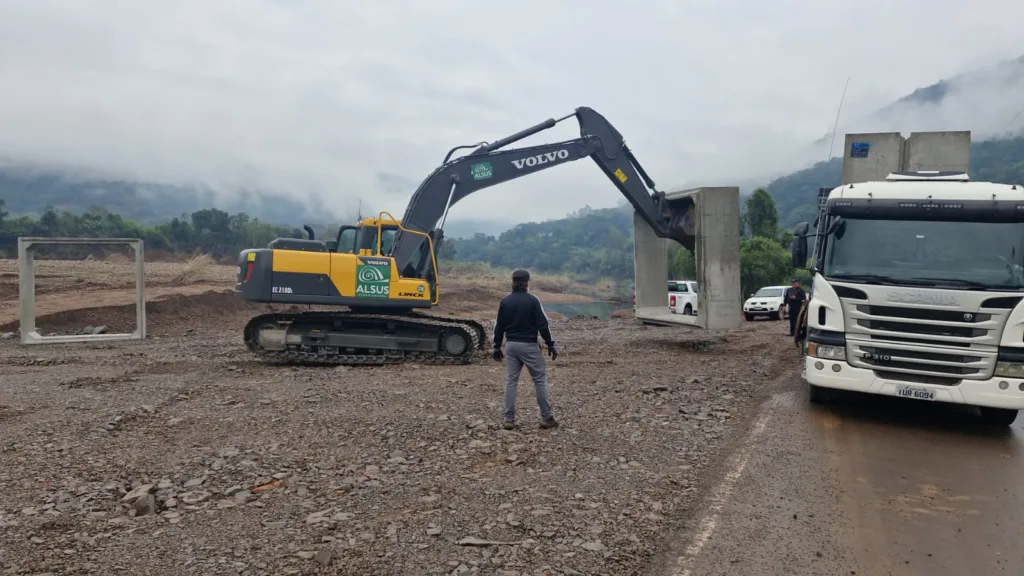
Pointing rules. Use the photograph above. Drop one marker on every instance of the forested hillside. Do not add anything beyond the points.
(211, 231)
(31, 192)
(590, 245)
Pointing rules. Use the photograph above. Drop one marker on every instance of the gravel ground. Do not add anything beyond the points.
(180, 455)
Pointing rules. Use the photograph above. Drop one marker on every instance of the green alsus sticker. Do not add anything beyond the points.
(372, 281)
(481, 171)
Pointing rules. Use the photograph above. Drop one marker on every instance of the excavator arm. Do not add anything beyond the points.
(489, 165)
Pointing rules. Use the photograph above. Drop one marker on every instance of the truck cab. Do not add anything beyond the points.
(918, 291)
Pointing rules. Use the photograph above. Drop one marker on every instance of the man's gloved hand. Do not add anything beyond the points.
(497, 355)
(552, 351)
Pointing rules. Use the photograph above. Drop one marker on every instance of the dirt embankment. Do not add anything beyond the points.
(74, 294)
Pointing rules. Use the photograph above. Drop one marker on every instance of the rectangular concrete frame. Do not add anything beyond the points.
(27, 290)
(890, 152)
(716, 213)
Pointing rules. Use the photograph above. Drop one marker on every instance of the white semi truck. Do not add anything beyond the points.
(918, 291)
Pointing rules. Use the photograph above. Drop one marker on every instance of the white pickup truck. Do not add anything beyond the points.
(682, 297)
(768, 301)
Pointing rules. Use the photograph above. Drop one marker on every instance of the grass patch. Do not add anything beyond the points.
(116, 258)
(193, 269)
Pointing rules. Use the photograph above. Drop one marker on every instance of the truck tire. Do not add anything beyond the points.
(749, 317)
(688, 310)
(1000, 417)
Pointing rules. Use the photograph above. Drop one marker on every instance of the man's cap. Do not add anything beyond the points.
(520, 275)
(793, 280)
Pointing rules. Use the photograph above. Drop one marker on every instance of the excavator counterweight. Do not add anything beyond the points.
(385, 271)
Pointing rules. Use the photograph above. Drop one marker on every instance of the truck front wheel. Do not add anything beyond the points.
(998, 416)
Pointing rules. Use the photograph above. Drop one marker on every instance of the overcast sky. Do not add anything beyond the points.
(363, 99)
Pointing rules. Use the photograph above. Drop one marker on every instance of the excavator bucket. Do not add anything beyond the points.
(705, 221)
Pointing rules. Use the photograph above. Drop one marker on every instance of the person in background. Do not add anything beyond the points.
(795, 297)
(520, 320)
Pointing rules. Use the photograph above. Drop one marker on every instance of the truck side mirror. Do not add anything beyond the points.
(798, 248)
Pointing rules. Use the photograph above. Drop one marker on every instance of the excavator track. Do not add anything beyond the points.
(460, 341)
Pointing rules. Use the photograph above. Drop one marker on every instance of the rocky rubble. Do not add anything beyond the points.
(181, 456)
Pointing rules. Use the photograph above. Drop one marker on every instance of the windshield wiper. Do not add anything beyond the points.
(881, 279)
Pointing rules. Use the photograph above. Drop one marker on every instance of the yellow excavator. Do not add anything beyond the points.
(385, 271)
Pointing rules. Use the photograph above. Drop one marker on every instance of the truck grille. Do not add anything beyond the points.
(941, 346)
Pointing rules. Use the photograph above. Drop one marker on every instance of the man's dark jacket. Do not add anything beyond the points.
(520, 319)
(800, 297)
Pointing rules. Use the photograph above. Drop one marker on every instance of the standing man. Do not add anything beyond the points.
(520, 319)
(795, 297)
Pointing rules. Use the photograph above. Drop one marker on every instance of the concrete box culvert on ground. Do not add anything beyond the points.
(27, 296)
(712, 215)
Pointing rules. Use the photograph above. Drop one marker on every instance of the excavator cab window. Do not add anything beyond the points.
(347, 236)
(368, 239)
(387, 239)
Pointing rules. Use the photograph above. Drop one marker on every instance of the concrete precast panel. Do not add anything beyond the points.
(937, 151)
(713, 214)
(27, 290)
(872, 156)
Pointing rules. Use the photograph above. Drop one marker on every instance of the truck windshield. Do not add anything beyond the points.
(958, 254)
(768, 293)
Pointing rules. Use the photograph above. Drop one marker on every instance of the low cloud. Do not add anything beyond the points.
(350, 101)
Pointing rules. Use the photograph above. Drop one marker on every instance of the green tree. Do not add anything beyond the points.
(760, 217)
(763, 262)
(681, 265)
(446, 251)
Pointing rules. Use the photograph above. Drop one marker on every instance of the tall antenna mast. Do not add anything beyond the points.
(360, 214)
(836, 125)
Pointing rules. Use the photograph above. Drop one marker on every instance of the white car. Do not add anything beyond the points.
(682, 297)
(768, 301)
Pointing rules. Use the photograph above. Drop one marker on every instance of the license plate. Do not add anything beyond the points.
(758, 309)
(915, 392)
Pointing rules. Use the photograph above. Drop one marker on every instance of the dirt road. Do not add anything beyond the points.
(183, 447)
(874, 486)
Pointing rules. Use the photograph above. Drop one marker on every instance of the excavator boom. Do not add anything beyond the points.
(383, 272)
(489, 165)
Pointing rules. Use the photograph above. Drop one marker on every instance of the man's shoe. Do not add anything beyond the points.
(508, 425)
(549, 423)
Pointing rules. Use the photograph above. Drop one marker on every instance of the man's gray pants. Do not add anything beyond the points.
(517, 355)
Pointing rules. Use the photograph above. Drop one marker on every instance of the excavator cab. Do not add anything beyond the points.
(362, 238)
(376, 237)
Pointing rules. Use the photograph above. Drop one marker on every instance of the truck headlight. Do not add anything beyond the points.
(1009, 370)
(827, 352)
